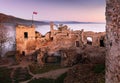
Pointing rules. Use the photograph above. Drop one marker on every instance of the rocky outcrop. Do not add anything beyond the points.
(84, 74)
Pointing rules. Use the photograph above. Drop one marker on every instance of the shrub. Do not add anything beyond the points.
(99, 68)
(5, 75)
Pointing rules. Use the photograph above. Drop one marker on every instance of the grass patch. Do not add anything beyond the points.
(102, 80)
(36, 69)
(99, 68)
(60, 79)
(5, 75)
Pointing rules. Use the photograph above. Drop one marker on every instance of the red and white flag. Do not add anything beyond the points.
(34, 12)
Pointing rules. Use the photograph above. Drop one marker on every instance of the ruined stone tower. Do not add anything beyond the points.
(25, 37)
(52, 29)
(113, 41)
(51, 26)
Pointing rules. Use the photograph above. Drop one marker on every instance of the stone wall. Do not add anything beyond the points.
(113, 41)
(96, 37)
(25, 38)
(53, 41)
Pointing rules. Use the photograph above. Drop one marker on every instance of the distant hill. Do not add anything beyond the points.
(76, 22)
(14, 20)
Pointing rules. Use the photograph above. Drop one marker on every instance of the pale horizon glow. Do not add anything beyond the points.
(56, 10)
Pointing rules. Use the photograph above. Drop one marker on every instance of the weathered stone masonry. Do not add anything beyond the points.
(25, 38)
(29, 42)
(113, 41)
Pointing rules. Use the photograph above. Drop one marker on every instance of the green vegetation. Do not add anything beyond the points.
(60, 79)
(5, 75)
(102, 80)
(99, 68)
(99, 71)
(36, 69)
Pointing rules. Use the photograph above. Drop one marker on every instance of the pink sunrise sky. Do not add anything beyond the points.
(56, 10)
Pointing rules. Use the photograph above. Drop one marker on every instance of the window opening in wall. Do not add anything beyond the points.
(23, 53)
(25, 34)
(102, 43)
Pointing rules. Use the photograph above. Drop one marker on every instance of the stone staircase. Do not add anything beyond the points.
(20, 74)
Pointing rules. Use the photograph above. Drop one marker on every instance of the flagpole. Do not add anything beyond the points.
(32, 19)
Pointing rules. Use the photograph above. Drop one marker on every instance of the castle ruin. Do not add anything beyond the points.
(54, 43)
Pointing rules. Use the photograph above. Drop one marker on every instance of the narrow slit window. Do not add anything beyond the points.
(77, 44)
(23, 53)
(102, 43)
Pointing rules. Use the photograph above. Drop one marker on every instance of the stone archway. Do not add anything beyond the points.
(89, 40)
(113, 41)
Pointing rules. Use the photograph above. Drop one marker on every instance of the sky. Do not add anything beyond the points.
(56, 10)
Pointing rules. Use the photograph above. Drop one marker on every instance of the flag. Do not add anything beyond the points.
(34, 12)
